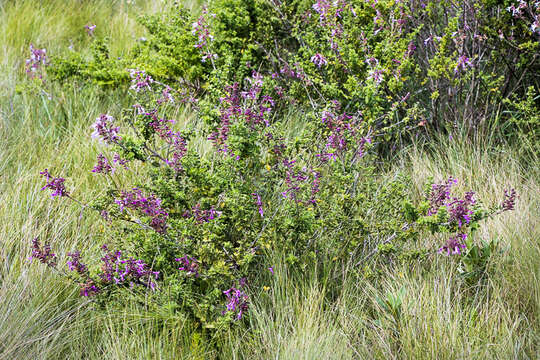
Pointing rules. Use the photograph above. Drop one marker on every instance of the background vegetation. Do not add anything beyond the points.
(404, 312)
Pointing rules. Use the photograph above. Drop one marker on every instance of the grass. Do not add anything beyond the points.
(42, 316)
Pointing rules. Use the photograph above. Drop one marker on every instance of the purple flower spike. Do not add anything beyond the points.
(103, 166)
(55, 184)
(319, 60)
(90, 29)
(454, 246)
(509, 201)
(75, 263)
(104, 129)
(237, 302)
(43, 254)
(189, 265)
(259, 203)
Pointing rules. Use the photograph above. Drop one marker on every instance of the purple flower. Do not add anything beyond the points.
(118, 160)
(259, 203)
(90, 29)
(509, 201)
(459, 209)
(148, 205)
(89, 288)
(38, 58)
(463, 62)
(104, 129)
(319, 60)
(189, 265)
(140, 81)
(440, 194)
(202, 216)
(271, 269)
(55, 184)
(201, 29)
(75, 263)
(454, 246)
(43, 254)
(376, 75)
(121, 272)
(237, 302)
(103, 166)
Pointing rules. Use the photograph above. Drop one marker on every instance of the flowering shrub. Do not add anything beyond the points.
(405, 65)
(197, 226)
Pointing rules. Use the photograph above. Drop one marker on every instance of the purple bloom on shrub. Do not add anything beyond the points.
(148, 205)
(118, 160)
(271, 269)
(376, 75)
(201, 29)
(237, 302)
(90, 29)
(140, 81)
(440, 194)
(38, 58)
(459, 210)
(55, 184)
(454, 246)
(120, 272)
(103, 166)
(509, 201)
(43, 254)
(89, 288)
(463, 63)
(75, 263)
(104, 129)
(326, 156)
(189, 265)
(202, 216)
(319, 60)
(259, 203)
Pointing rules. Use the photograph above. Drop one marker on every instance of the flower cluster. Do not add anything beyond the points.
(202, 216)
(454, 246)
(90, 29)
(460, 209)
(247, 106)
(130, 271)
(55, 184)
(259, 203)
(237, 302)
(114, 271)
(189, 265)
(43, 253)
(342, 130)
(319, 60)
(521, 9)
(103, 166)
(201, 29)
(440, 193)
(509, 201)
(148, 205)
(462, 63)
(104, 129)
(75, 263)
(38, 58)
(140, 81)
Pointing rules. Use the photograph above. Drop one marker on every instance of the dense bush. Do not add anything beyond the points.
(199, 228)
(291, 98)
(402, 64)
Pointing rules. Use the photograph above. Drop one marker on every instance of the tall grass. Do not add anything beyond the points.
(294, 317)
